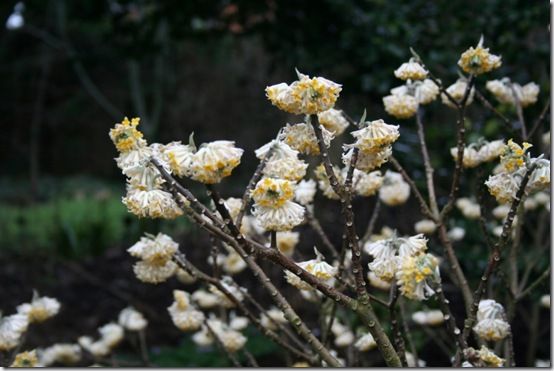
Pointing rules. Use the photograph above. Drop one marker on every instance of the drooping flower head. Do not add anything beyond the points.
(179, 157)
(478, 60)
(273, 193)
(416, 274)
(183, 314)
(513, 157)
(125, 135)
(215, 161)
(395, 190)
(132, 320)
(40, 308)
(375, 136)
(333, 120)
(273, 207)
(401, 106)
(457, 91)
(301, 137)
(318, 267)
(411, 70)
(283, 163)
(307, 95)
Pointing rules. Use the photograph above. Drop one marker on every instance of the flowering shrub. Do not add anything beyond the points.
(370, 272)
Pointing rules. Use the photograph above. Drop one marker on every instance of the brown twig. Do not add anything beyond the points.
(539, 120)
(427, 163)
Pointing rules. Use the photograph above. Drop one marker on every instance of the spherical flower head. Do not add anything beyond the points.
(154, 249)
(484, 357)
(283, 163)
(492, 150)
(280, 95)
(529, 94)
(227, 283)
(184, 316)
(414, 275)
(504, 186)
(501, 90)
(425, 226)
(318, 267)
(384, 268)
(301, 137)
(307, 96)
(25, 359)
(96, 348)
(401, 106)
(11, 329)
(287, 241)
(273, 193)
(428, 318)
(40, 309)
(204, 299)
(153, 203)
(366, 184)
(478, 60)
(305, 191)
(457, 91)
(111, 334)
(540, 178)
(492, 329)
(365, 343)
(394, 191)
(333, 120)
(66, 354)
(367, 161)
(154, 273)
(344, 339)
(125, 135)
(179, 158)
(132, 320)
(411, 70)
(314, 95)
(513, 157)
(471, 157)
(232, 340)
(215, 161)
(375, 136)
(233, 263)
(412, 245)
(237, 322)
(426, 91)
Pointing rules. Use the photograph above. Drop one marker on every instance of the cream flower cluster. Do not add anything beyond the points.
(388, 253)
(287, 241)
(411, 70)
(132, 320)
(333, 120)
(214, 161)
(40, 308)
(428, 318)
(401, 106)
(144, 198)
(469, 208)
(305, 192)
(416, 274)
(491, 325)
(111, 335)
(375, 136)
(425, 226)
(343, 335)
(183, 314)
(231, 339)
(155, 253)
(365, 343)
(62, 353)
(318, 267)
(480, 152)
(324, 183)
(307, 96)
(483, 357)
(283, 162)
(404, 100)
(478, 60)
(301, 137)
(26, 359)
(514, 162)
(506, 92)
(273, 207)
(228, 284)
(272, 318)
(12, 328)
(457, 92)
(395, 190)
